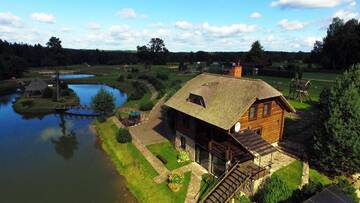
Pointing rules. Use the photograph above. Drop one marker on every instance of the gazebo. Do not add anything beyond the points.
(36, 88)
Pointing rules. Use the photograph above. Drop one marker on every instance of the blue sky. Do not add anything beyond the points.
(185, 25)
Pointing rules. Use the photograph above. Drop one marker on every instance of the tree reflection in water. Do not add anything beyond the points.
(67, 143)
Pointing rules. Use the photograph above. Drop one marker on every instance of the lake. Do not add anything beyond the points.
(56, 158)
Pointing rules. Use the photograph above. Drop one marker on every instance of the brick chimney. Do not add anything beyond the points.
(236, 71)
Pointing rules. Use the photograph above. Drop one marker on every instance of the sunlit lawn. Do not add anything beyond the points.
(167, 151)
(137, 171)
(291, 174)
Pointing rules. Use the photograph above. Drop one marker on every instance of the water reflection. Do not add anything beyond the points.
(67, 143)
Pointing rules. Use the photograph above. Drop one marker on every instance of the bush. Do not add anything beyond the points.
(348, 189)
(175, 182)
(147, 106)
(48, 92)
(162, 76)
(139, 91)
(242, 198)
(27, 103)
(275, 190)
(183, 156)
(123, 136)
(208, 178)
(121, 78)
(101, 118)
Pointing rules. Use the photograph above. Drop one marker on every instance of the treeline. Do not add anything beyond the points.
(15, 58)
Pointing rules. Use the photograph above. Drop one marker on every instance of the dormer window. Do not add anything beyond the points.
(196, 99)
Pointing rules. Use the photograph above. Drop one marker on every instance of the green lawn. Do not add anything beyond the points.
(317, 177)
(291, 174)
(168, 151)
(136, 169)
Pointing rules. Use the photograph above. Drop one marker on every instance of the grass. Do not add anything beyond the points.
(7, 87)
(168, 151)
(137, 171)
(43, 105)
(317, 177)
(291, 174)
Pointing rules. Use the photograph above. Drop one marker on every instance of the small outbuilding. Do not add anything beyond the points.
(331, 194)
(36, 88)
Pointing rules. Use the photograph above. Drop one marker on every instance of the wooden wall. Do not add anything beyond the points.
(271, 126)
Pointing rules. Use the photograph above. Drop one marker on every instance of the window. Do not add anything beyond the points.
(267, 109)
(196, 99)
(182, 142)
(253, 112)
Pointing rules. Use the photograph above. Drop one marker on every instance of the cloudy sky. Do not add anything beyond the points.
(185, 25)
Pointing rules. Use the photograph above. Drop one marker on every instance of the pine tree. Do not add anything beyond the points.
(336, 145)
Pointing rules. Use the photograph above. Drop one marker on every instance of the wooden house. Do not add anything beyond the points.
(36, 88)
(221, 120)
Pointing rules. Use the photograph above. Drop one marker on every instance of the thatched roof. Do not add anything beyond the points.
(36, 85)
(226, 98)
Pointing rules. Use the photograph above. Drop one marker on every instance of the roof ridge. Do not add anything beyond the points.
(231, 77)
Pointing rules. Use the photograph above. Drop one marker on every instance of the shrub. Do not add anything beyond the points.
(275, 190)
(139, 91)
(162, 76)
(146, 106)
(175, 182)
(27, 103)
(123, 136)
(48, 92)
(120, 78)
(242, 198)
(176, 178)
(101, 118)
(183, 156)
(208, 178)
(347, 189)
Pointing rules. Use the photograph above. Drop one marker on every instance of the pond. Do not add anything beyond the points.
(74, 76)
(56, 158)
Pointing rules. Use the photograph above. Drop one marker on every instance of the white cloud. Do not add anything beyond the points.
(353, 3)
(310, 41)
(65, 29)
(93, 26)
(228, 30)
(306, 3)
(184, 25)
(127, 13)
(292, 25)
(120, 32)
(346, 14)
(7, 18)
(43, 17)
(255, 15)
(6, 29)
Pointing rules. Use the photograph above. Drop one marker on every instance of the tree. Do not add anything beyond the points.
(154, 52)
(103, 102)
(336, 142)
(256, 54)
(339, 49)
(54, 43)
